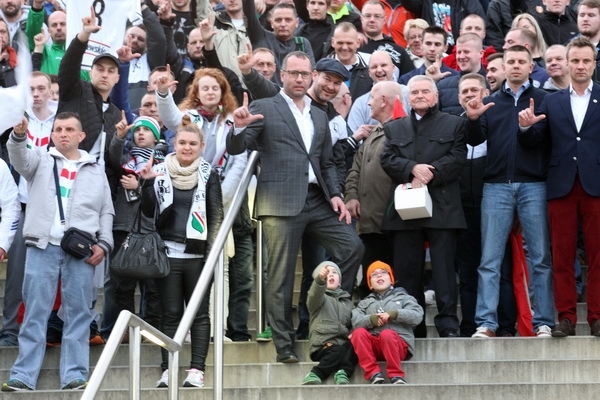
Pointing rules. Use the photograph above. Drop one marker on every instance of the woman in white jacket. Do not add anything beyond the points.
(209, 104)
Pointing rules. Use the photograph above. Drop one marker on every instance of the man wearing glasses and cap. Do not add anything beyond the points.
(298, 190)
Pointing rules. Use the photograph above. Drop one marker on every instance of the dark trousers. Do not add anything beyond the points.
(378, 247)
(333, 358)
(175, 291)
(283, 236)
(408, 271)
(312, 255)
(240, 276)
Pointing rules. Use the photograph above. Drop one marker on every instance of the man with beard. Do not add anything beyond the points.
(298, 190)
(8, 58)
(495, 74)
(45, 56)
(14, 14)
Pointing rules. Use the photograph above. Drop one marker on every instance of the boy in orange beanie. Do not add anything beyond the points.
(382, 324)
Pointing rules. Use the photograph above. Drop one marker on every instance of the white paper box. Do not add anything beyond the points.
(412, 203)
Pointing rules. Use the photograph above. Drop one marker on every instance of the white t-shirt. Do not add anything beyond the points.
(111, 15)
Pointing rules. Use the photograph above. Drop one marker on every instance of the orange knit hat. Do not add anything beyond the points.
(379, 265)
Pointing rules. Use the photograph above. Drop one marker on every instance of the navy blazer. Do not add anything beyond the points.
(572, 152)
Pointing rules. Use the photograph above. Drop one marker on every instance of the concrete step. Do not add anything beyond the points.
(500, 391)
(426, 350)
(417, 372)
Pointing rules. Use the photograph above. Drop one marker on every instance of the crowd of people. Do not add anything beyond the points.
(489, 104)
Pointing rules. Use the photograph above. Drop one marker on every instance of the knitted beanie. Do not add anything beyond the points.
(149, 123)
(379, 265)
(326, 264)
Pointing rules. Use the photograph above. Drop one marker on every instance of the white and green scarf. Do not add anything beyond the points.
(174, 175)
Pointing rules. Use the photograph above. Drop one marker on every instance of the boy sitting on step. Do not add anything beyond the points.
(383, 324)
(330, 310)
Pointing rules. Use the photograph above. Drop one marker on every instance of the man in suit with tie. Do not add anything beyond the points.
(570, 118)
(298, 190)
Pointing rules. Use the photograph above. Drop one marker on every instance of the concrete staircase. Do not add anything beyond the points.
(499, 368)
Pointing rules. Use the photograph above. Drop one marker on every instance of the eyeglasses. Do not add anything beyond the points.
(296, 74)
(379, 272)
(376, 16)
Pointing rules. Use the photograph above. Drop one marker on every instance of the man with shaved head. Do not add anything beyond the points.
(381, 69)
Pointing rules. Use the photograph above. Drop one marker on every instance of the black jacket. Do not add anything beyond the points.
(81, 97)
(556, 29)
(166, 226)
(507, 159)
(399, 56)
(437, 139)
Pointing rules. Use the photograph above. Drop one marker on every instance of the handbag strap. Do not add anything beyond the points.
(58, 197)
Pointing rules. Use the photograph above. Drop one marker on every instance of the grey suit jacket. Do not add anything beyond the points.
(283, 180)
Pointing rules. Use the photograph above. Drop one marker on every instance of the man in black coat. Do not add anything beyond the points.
(90, 100)
(427, 148)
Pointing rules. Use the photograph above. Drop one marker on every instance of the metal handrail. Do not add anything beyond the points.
(138, 327)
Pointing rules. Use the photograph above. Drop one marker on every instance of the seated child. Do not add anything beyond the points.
(330, 311)
(382, 324)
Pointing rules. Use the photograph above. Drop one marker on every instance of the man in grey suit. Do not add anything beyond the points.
(298, 190)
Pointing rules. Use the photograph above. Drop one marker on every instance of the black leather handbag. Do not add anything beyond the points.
(142, 255)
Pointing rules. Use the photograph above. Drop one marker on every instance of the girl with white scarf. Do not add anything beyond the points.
(187, 192)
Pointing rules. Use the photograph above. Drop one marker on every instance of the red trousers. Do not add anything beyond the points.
(564, 214)
(388, 346)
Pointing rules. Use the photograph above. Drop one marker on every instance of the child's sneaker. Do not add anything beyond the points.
(265, 336)
(376, 379)
(398, 380)
(311, 379)
(195, 378)
(164, 379)
(341, 378)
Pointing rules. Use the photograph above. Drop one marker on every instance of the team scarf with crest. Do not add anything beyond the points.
(163, 187)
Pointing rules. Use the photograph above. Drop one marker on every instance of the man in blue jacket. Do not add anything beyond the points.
(514, 186)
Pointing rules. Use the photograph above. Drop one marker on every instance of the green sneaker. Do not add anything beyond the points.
(311, 379)
(341, 378)
(265, 336)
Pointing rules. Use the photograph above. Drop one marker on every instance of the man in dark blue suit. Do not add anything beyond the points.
(571, 118)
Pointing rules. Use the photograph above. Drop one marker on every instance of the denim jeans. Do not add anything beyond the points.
(498, 207)
(43, 269)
